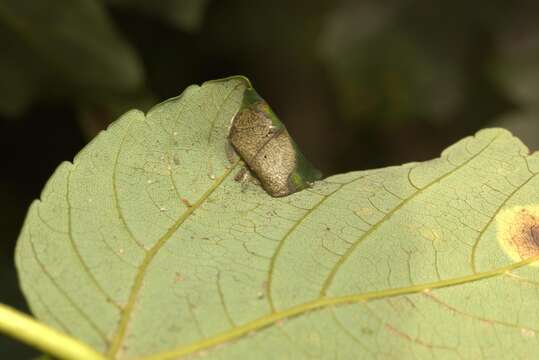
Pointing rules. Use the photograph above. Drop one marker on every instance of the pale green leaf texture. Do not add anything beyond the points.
(147, 244)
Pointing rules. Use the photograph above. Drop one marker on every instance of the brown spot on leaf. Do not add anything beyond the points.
(518, 231)
(186, 202)
(525, 234)
(413, 339)
(178, 278)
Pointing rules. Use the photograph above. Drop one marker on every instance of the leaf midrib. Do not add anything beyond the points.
(141, 273)
(323, 302)
(121, 330)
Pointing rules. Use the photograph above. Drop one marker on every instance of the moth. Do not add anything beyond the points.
(264, 144)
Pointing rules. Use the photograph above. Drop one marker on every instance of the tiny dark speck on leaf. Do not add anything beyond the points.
(178, 278)
(186, 202)
(366, 331)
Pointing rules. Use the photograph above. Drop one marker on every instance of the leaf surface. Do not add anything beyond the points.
(146, 246)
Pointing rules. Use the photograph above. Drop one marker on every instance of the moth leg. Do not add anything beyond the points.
(242, 175)
(245, 178)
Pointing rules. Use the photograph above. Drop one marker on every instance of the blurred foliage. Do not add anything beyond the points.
(184, 14)
(62, 48)
(382, 68)
(516, 64)
(359, 84)
(524, 125)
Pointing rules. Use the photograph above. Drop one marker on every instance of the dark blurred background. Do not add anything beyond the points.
(359, 84)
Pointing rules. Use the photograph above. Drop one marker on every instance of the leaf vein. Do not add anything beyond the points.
(475, 246)
(328, 302)
(75, 248)
(64, 293)
(376, 226)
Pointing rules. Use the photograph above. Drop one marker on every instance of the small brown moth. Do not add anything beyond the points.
(265, 145)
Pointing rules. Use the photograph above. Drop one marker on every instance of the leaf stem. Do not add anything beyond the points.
(28, 330)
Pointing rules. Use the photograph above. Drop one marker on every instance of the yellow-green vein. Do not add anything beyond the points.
(329, 279)
(115, 192)
(122, 328)
(75, 248)
(64, 294)
(482, 232)
(324, 302)
(286, 236)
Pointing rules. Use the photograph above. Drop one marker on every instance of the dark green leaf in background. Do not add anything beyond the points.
(524, 124)
(186, 15)
(63, 48)
(516, 66)
(382, 72)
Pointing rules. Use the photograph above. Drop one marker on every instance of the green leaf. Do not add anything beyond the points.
(62, 48)
(186, 15)
(147, 246)
(516, 69)
(384, 72)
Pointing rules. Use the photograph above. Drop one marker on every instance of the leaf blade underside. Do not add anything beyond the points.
(147, 246)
